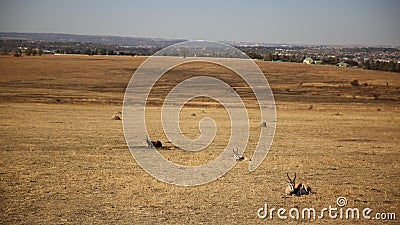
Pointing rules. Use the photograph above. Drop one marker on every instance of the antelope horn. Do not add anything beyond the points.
(287, 174)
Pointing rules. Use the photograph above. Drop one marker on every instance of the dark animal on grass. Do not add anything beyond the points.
(153, 144)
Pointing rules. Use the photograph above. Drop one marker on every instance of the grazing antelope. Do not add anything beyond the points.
(297, 188)
(236, 155)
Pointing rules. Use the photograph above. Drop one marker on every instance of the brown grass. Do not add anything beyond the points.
(63, 160)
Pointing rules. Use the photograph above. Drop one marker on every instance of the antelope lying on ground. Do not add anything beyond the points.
(153, 144)
(149, 143)
(297, 188)
(237, 156)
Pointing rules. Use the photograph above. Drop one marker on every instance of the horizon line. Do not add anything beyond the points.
(222, 41)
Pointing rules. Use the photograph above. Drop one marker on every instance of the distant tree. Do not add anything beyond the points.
(367, 65)
(396, 67)
(380, 65)
(28, 51)
(352, 63)
(17, 53)
(275, 57)
(361, 64)
(375, 65)
(384, 66)
(330, 60)
(391, 66)
(268, 57)
(88, 51)
(254, 55)
(292, 58)
(103, 51)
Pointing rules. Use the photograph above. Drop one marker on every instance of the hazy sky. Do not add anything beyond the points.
(375, 22)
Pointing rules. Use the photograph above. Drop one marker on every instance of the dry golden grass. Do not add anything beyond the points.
(63, 160)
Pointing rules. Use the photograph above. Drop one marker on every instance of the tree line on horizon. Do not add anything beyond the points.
(19, 48)
(389, 66)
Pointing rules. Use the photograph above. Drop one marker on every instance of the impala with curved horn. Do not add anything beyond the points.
(237, 156)
(297, 188)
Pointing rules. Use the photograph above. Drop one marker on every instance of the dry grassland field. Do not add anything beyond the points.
(63, 160)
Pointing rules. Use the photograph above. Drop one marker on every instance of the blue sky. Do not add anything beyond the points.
(369, 22)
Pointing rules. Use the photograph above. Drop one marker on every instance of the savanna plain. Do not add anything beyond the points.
(64, 160)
